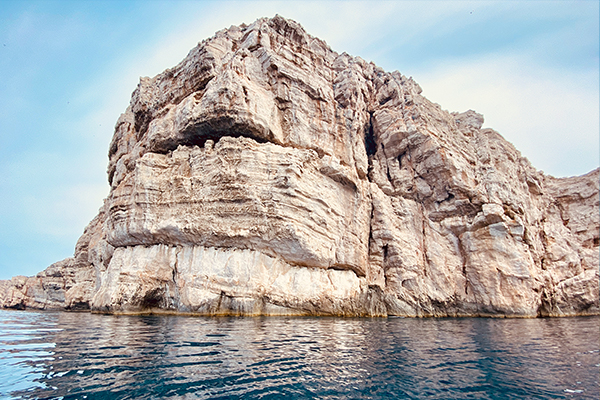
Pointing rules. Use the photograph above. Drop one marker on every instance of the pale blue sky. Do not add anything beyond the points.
(68, 69)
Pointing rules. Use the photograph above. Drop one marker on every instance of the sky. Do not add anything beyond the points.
(68, 69)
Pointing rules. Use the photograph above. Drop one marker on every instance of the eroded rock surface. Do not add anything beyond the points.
(267, 174)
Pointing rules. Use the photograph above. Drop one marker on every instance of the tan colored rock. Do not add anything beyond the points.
(283, 201)
(267, 174)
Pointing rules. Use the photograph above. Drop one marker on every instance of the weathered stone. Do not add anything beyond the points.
(267, 174)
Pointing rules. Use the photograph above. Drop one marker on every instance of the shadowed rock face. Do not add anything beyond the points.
(267, 174)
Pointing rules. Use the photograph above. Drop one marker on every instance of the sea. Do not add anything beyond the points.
(62, 355)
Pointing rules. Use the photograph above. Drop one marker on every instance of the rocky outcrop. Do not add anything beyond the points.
(267, 174)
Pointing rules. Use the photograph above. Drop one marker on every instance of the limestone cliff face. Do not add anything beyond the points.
(267, 174)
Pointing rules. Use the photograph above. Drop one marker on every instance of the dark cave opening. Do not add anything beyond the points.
(152, 299)
(370, 144)
(215, 129)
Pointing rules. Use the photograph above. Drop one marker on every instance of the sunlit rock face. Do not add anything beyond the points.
(267, 174)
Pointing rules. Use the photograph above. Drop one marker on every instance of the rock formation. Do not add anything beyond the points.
(268, 174)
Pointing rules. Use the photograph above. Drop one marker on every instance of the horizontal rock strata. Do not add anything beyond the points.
(268, 175)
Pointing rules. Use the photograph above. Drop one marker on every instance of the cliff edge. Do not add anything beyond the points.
(269, 175)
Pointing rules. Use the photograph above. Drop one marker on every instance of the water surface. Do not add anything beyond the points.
(80, 355)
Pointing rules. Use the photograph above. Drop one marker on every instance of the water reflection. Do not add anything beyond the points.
(49, 355)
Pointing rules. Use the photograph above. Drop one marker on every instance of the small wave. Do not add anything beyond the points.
(573, 391)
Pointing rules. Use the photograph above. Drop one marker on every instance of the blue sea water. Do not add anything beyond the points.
(80, 355)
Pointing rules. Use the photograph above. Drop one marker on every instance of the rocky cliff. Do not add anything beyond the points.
(268, 174)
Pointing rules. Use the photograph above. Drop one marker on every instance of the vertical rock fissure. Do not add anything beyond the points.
(176, 294)
(463, 259)
(370, 148)
(370, 144)
(424, 242)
